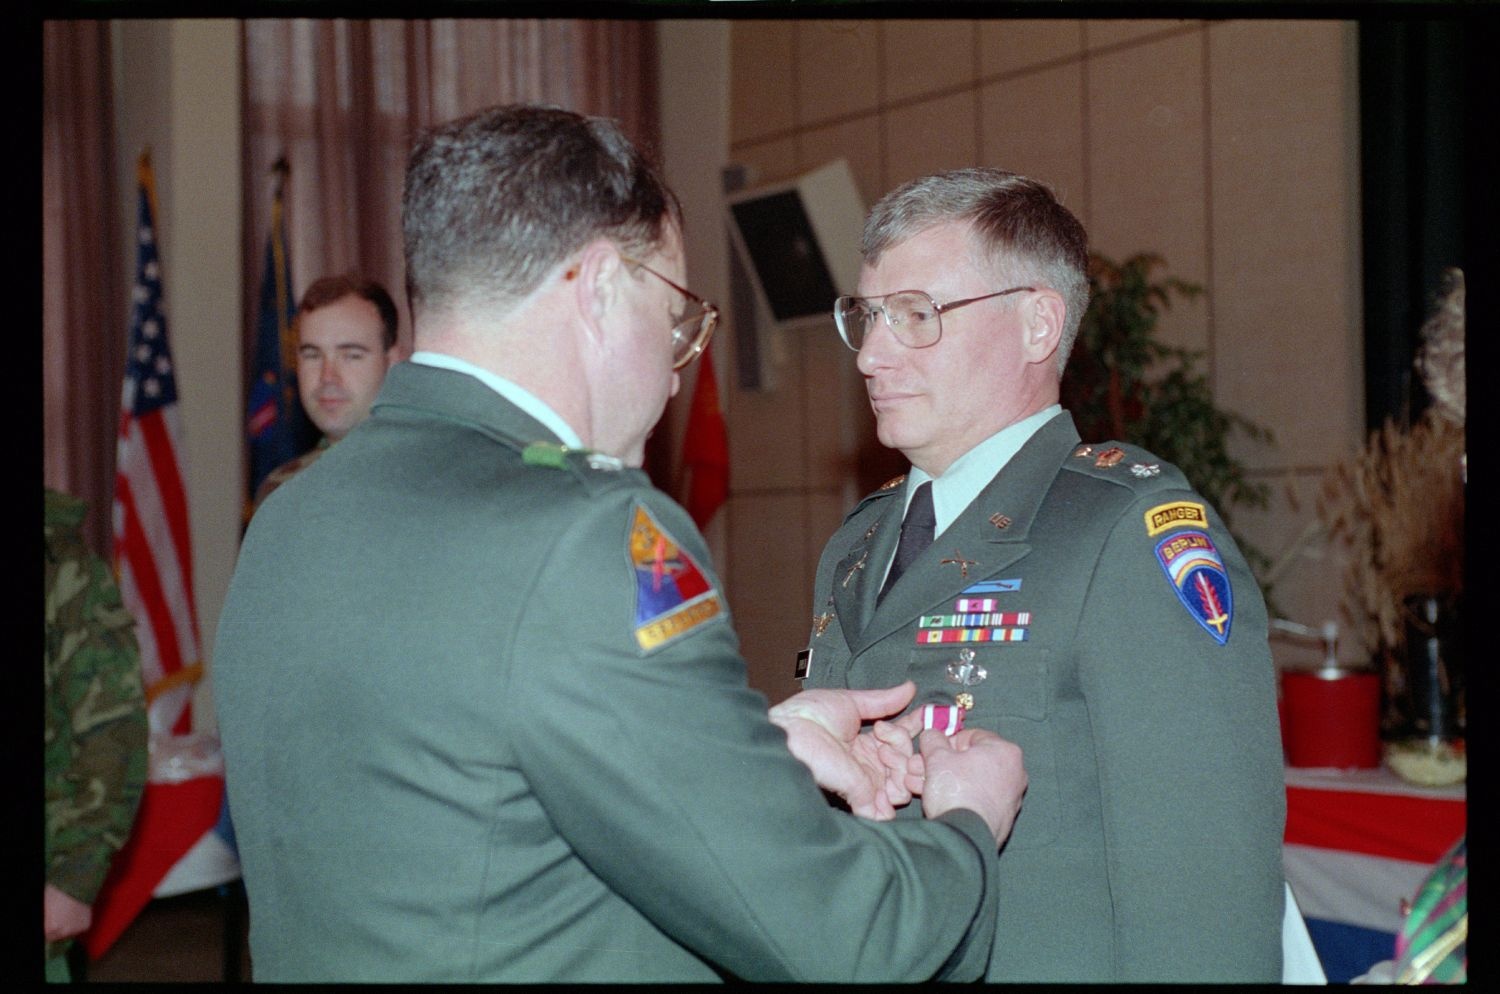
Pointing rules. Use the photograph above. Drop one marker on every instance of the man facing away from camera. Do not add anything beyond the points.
(483, 712)
(1079, 599)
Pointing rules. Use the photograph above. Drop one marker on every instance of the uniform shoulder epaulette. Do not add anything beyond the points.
(1126, 464)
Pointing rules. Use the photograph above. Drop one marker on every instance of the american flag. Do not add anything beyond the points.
(152, 546)
(177, 842)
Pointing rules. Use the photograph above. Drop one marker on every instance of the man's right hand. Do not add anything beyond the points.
(974, 769)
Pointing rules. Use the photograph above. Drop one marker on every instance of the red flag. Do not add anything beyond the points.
(153, 559)
(705, 448)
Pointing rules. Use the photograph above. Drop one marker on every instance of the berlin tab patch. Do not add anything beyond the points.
(672, 596)
(1196, 571)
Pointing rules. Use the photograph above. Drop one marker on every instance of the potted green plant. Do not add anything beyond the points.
(1124, 383)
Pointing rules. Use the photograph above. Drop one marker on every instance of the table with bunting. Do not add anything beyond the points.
(1359, 844)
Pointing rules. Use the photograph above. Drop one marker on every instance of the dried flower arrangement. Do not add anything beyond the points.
(1398, 506)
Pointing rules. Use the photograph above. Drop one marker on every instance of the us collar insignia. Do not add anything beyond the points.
(1000, 521)
(893, 483)
(672, 596)
(820, 623)
(1197, 574)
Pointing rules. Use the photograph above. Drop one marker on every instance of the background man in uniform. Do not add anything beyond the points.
(1081, 600)
(541, 760)
(95, 746)
(346, 340)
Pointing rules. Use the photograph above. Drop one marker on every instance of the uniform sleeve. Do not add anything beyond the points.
(96, 723)
(657, 764)
(1180, 690)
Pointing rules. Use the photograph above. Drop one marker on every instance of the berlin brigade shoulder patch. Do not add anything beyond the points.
(1196, 571)
(672, 596)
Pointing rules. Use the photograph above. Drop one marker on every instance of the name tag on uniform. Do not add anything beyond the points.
(804, 663)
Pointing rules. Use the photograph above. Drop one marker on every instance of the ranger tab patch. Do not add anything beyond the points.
(672, 596)
(1196, 571)
(1177, 514)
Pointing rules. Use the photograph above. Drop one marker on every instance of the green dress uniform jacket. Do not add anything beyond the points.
(484, 719)
(1148, 847)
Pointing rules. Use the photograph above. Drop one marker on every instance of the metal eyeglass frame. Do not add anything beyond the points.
(705, 322)
(938, 310)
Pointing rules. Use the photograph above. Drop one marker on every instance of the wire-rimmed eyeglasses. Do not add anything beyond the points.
(914, 317)
(691, 333)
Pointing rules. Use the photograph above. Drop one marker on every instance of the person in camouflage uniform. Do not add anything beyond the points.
(95, 727)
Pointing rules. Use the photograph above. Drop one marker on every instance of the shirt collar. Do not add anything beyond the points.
(972, 471)
(513, 392)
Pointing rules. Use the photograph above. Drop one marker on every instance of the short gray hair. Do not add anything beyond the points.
(496, 199)
(1018, 222)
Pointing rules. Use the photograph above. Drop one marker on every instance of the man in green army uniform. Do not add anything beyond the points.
(95, 726)
(483, 713)
(346, 341)
(1081, 600)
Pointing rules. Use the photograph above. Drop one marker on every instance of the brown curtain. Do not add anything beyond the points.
(84, 319)
(341, 100)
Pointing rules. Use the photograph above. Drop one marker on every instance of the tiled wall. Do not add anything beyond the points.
(1229, 147)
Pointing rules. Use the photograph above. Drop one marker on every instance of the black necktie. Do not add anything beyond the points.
(916, 534)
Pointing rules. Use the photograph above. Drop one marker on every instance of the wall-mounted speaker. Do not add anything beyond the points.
(797, 246)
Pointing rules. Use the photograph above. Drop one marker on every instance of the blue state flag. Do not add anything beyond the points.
(276, 426)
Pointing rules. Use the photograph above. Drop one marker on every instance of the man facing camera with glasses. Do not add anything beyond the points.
(1080, 599)
(483, 713)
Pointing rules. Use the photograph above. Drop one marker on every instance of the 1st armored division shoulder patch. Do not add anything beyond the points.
(672, 596)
